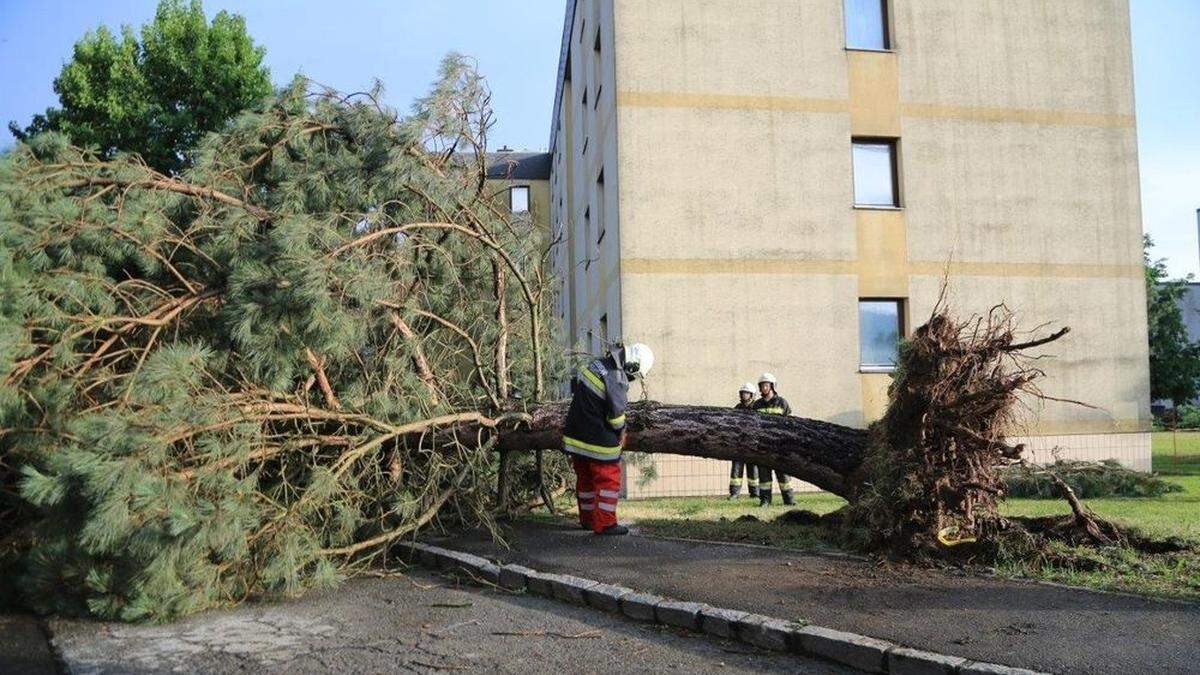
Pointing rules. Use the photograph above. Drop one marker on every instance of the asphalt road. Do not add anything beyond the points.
(1041, 627)
(419, 624)
(23, 646)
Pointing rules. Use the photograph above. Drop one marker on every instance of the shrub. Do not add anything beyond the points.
(1087, 479)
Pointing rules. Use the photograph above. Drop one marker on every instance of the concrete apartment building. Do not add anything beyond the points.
(780, 185)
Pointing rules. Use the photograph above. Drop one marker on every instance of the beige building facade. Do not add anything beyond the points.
(763, 185)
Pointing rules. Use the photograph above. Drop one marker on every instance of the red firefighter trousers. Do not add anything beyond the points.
(597, 487)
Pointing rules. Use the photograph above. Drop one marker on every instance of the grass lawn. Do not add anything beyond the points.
(1176, 459)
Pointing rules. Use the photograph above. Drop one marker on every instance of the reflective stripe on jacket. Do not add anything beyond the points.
(599, 397)
(778, 405)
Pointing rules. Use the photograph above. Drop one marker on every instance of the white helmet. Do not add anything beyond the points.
(767, 377)
(638, 360)
(747, 388)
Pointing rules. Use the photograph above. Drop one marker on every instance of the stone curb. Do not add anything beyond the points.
(850, 649)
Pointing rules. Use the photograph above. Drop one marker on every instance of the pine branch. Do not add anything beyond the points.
(319, 370)
(177, 186)
(419, 361)
(400, 531)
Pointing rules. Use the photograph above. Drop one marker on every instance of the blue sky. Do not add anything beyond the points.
(347, 44)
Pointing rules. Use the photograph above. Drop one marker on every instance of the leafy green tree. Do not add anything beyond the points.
(1174, 360)
(158, 96)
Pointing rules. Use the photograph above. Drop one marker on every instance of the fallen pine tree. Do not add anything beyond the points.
(231, 382)
(254, 377)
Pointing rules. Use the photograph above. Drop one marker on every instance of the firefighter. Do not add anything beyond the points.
(746, 393)
(595, 432)
(771, 403)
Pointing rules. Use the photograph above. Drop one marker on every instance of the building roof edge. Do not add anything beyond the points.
(563, 52)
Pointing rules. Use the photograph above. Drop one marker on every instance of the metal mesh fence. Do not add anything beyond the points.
(1177, 449)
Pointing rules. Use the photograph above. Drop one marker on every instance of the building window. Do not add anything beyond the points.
(867, 25)
(604, 331)
(875, 181)
(880, 325)
(600, 206)
(587, 237)
(518, 199)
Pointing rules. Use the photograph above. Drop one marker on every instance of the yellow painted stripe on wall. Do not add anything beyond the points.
(674, 99)
(800, 266)
(677, 99)
(736, 266)
(1073, 118)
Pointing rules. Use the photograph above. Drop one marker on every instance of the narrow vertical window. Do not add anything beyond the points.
(587, 238)
(867, 24)
(600, 206)
(597, 70)
(875, 181)
(583, 119)
(604, 331)
(880, 325)
(518, 199)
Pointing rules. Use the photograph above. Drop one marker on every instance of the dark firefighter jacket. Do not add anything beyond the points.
(599, 394)
(778, 405)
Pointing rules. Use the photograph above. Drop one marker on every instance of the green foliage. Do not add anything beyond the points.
(229, 383)
(1174, 360)
(1184, 416)
(1087, 479)
(159, 95)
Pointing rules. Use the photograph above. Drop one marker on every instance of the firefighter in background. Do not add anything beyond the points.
(595, 432)
(746, 393)
(771, 403)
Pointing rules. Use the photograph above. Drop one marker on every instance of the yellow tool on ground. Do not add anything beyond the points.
(949, 537)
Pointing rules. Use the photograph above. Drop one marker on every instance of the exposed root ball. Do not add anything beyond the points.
(934, 467)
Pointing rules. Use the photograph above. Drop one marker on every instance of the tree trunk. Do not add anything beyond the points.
(824, 454)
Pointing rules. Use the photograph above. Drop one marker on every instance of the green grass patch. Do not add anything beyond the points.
(1175, 575)
(738, 520)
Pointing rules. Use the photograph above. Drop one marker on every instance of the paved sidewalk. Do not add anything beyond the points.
(418, 623)
(1018, 624)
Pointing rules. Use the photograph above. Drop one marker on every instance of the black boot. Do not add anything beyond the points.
(764, 497)
(614, 531)
(789, 497)
(753, 491)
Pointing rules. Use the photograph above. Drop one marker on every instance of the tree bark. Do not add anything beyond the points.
(824, 454)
